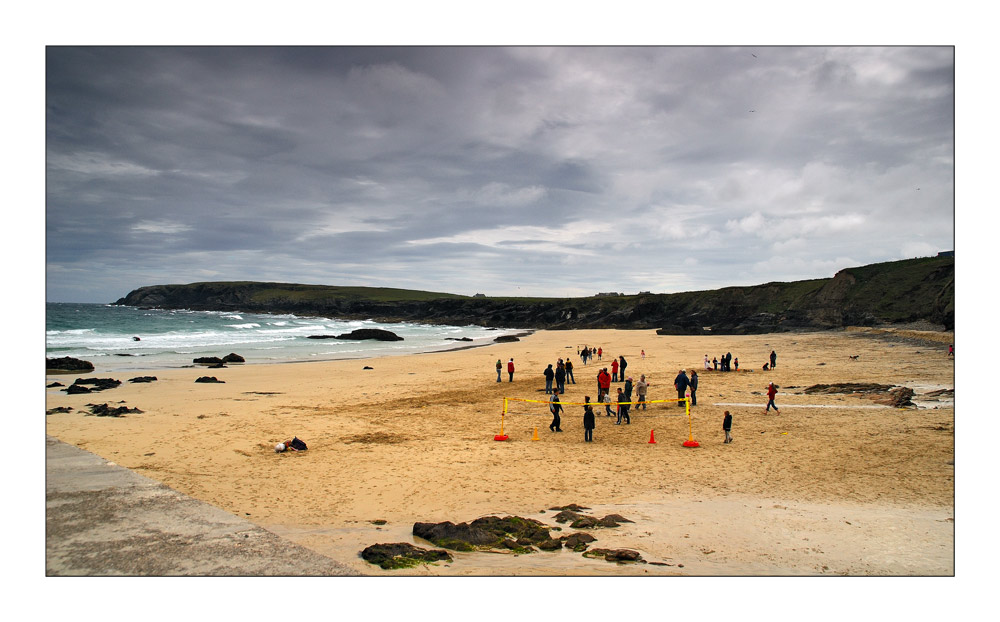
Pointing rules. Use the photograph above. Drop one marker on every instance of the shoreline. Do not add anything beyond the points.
(412, 440)
(456, 348)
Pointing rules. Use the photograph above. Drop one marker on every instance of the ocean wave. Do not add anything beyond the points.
(247, 325)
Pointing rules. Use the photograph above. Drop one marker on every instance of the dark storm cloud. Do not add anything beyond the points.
(496, 169)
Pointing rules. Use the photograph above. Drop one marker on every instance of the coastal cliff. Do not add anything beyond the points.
(913, 290)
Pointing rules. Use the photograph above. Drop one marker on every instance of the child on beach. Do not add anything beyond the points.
(607, 403)
(727, 425)
(588, 420)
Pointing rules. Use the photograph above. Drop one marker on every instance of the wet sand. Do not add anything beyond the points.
(833, 485)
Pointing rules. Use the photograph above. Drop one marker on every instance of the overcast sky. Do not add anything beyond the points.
(536, 171)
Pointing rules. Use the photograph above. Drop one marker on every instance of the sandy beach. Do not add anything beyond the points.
(835, 484)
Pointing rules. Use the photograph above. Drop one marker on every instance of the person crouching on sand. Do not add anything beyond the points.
(588, 420)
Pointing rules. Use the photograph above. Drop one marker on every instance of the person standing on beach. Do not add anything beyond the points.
(499, 369)
(715, 363)
(600, 353)
(640, 390)
(736, 364)
(708, 364)
(614, 370)
(588, 420)
(643, 354)
(569, 371)
(693, 383)
(556, 407)
(561, 378)
(774, 359)
(681, 383)
(623, 408)
(510, 370)
(771, 392)
(603, 383)
(727, 425)
(607, 405)
(621, 367)
(549, 375)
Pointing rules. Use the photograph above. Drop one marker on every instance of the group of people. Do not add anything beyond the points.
(725, 363)
(588, 353)
(559, 375)
(682, 383)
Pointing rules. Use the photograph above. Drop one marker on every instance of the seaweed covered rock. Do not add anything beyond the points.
(104, 410)
(578, 541)
(615, 555)
(402, 555)
(142, 379)
(232, 357)
(489, 532)
(209, 379)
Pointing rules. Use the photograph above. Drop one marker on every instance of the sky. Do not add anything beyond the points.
(504, 170)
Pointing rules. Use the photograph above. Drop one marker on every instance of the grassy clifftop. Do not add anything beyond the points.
(899, 291)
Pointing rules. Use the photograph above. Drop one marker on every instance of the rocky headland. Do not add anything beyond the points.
(908, 291)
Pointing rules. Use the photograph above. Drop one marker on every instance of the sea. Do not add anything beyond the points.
(118, 338)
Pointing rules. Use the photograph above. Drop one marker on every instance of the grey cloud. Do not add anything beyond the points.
(302, 163)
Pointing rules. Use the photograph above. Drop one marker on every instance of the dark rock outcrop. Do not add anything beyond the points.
(371, 333)
(143, 379)
(67, 363)
(89, 385)
(401, 555)
(232, 357)
(848, 387)
(208, 360)
(209, 379)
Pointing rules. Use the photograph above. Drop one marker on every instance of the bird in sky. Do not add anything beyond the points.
(752, 54)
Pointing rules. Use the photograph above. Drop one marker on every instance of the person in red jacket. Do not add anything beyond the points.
(510, 370)
(603, 383)
(771, 392)
(614, 370)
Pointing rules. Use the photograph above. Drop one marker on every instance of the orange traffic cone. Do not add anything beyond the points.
(535, 436)
(652, 441)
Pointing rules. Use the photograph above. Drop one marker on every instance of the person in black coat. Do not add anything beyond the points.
(727, 425)
(556, 407)
(588, 420)
(622, 364)
(693, 383)
(681, 383)
(549, 375)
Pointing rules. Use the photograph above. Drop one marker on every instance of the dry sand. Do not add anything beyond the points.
(833, 485)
